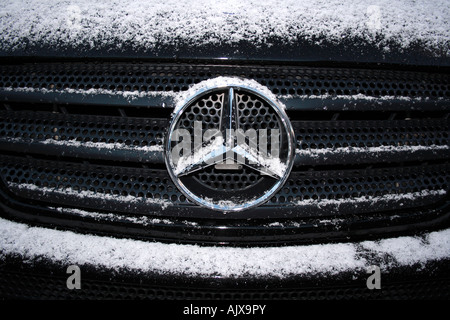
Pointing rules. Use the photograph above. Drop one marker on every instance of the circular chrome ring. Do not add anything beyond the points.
(239, 85)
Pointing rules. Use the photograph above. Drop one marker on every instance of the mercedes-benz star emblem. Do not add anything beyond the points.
(230, 146)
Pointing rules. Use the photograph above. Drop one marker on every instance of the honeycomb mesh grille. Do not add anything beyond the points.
(121, 185)
(57, 128)
(228, 180)
(256, 114)
(316, 140)
(363, 184)
(252, 114)
(17, 286)
(368, 134)
(132, 190)
(174, 78)
(207, 110)
(49, 282)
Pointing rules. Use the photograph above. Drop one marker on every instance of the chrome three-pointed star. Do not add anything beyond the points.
(220, 150)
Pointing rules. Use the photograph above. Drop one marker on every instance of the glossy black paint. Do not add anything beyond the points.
(348, 50)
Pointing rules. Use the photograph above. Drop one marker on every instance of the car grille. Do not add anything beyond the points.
(46, 281)
(282, 80)
(82, 148)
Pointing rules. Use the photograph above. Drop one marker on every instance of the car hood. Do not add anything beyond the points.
(401, 32)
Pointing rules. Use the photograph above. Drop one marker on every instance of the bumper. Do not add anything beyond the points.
(34, 261)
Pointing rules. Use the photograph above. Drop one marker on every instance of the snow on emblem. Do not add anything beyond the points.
(230, 145)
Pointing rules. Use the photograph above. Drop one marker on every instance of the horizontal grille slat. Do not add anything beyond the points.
(141, 83)
(141, 139)
(83, 136)
(145, 191)
(178, 77)
(340, 142)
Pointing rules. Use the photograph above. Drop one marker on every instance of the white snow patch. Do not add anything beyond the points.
(102, 145)
(410, 250)
(349, 150)
(372, 199)
(358, 96)
(234, 202)
(273, 165)
(94, 145)
(129, 95)
(210, 151)
(72, 248)
(146, 25)
(90, 194)
(143, 220)
(294, 224)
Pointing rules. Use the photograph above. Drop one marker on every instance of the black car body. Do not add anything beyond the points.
(85, 113)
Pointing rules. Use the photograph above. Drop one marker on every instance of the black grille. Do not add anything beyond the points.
(91, 136)
(206, 110)
(372, 150)
(41, 281)
(41, 126)
(362, 134)
(40, 287)
(138, 190)
(283, 80)
(228, 180)
(141, 139)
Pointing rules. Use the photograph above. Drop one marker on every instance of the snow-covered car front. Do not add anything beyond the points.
(224, 150)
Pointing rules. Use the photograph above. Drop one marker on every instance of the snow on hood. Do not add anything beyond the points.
(144, 25)
(71, 248)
